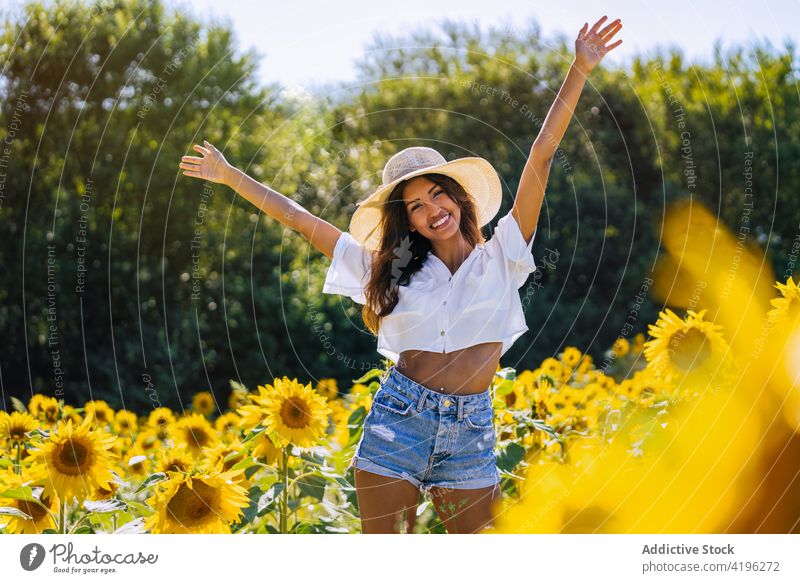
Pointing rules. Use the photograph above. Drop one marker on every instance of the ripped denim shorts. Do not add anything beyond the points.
(429, 438)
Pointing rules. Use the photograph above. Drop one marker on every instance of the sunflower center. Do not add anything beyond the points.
(32, 509)
(17, 434)
(295, 413)
(191, 505)
(197, 437)
(690, 348)
(73, 456)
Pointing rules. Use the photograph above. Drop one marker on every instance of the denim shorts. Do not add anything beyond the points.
(428, 438)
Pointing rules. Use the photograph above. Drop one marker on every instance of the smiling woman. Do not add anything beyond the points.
(442, 301)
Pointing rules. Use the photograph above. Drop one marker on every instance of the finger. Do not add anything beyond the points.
(209, 145)
(194, 159)
(597, 25)
(192, 174)
(201, 149)
(187, 166)
(582, 31)
(605, 30)
(616, 44)
(609, 36)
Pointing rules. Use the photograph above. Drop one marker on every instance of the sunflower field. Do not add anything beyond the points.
(694, 428)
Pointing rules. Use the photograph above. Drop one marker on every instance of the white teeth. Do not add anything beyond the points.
(440, 222)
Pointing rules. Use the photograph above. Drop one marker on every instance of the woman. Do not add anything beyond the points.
(443, 302)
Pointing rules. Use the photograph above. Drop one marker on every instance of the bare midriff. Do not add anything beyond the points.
(462, 372)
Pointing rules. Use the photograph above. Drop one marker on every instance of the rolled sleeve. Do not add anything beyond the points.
(349, 270)
(517, 254)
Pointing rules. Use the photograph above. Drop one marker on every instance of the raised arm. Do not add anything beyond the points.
(213, 167)
(590, 46)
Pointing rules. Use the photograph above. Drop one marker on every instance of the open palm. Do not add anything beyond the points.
(592, 44)
(212, 166)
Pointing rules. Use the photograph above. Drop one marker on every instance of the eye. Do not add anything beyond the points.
(437, 193)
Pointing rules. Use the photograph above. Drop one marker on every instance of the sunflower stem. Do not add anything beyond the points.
(17, 462)
(62, 518)
(284, 519)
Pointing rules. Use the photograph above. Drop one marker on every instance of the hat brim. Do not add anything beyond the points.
(476, 175)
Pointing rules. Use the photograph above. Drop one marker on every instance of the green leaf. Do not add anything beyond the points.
(39, 432)
(84, 529)
(249, 513)
(369, 375)
(152, 479)
(254, 433)
(312, 458)
(21, 493)
(542, 426)
(18, 405)
(510, 457)
(135, 526)
(11, 511)
(100, 506)
(507, 373)
(312, 485)
(49, 531)
(237, 386)
(356, 420)
(266, 501)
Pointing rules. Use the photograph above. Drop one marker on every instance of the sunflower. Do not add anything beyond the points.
(239, 397)
(148, 441)
(171, 460)
(195, 432)
(74, 460)
(70, 412)
(206, 503)
(203, 402)
(41, 516)
(44, 408)
(328, 388)
(101, 493)
(160, 419)
(264, 450)
(227, 423)
(125, 422)
(621, 347)
(293, 412)
(226, 455)
(787, 304)
(685, 346)
(571, 356)
(14, 427)
(101, 411)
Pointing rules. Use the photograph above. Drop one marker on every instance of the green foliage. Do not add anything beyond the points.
(126, 281)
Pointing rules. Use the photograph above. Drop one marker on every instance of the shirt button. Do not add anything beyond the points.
(447, 402)
(444, 303)
(441, 333)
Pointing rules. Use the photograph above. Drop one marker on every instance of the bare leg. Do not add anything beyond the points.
(387, 505)
(465, 511)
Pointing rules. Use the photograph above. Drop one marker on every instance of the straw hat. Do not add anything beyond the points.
(475, 174)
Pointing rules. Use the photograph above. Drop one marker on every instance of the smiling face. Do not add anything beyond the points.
(430, 210)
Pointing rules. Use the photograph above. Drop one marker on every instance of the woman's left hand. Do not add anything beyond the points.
(592, 44)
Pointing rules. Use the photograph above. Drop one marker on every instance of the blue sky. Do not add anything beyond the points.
(307, 41)
(318, 40)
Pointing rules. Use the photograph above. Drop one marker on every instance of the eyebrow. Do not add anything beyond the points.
(434, 187)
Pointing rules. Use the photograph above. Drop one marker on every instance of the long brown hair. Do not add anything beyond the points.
(402, 252)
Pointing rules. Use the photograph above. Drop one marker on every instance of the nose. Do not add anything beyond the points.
(434, 210)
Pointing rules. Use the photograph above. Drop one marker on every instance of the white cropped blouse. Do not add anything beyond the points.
(442, 312)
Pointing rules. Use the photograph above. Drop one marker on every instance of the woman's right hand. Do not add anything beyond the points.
(212, 166)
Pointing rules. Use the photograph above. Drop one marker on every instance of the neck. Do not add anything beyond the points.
(452, 252)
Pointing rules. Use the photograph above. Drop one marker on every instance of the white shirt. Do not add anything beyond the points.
(442, 312)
